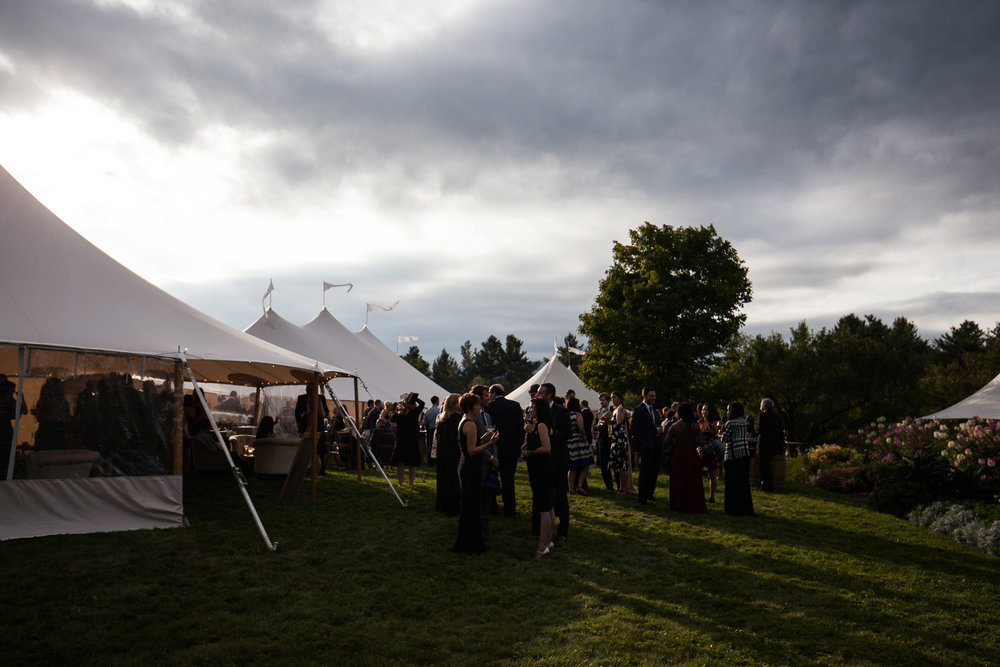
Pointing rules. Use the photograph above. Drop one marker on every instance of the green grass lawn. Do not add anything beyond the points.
(813, 579)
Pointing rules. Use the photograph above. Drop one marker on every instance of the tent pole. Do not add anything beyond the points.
(357, 420)
(18, 405)
(256, 407)
(178, 418)
(241, 481)
(362, 443)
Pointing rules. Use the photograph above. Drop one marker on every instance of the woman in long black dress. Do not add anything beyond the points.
(470, 527)
(536, 449)
(448, 499)
(738, 501)
(407, 451)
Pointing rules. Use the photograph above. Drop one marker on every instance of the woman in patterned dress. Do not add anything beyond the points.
(618, 460)
(580, 455)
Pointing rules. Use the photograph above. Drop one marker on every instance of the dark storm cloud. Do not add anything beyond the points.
(695, 98)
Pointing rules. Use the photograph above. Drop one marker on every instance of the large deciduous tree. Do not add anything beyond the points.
(670, 302)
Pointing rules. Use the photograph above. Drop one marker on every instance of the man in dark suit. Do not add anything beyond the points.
(645, 441)
(559, 456)
(770, 441)
(508, 419)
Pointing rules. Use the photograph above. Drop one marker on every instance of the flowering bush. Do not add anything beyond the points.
(972, 446)
(829, 457)
(890, 442)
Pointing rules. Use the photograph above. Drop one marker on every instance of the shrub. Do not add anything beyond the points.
(826, 458)
(960, 524)
(857, 479)
(918, 480)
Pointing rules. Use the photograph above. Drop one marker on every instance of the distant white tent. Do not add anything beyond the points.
(68, 311)
(561, 377)
(275, 329)
(984, 403)
(383, 372)
(407, 377)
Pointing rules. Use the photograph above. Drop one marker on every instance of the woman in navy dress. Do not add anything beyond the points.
(470, 527)
(448, 499)
(536, 449)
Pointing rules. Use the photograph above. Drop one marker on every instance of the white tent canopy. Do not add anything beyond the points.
(984, 403)
(383, 372)
(561, 377)
(60, 292)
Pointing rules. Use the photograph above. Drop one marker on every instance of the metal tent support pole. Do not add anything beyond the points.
(17, 412)
(362, 443)
(241, 481)
(178, 418)
(313, 389)
(357, 419)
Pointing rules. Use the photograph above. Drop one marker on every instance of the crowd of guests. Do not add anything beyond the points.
(477, 439)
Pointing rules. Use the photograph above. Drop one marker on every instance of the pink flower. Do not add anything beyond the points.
(982, 462)
(968, 452)
(889, 457)
(992, 462)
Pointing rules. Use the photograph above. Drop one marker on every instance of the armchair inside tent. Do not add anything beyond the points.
(383, 442)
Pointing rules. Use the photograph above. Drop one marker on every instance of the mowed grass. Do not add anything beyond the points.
(813, 579)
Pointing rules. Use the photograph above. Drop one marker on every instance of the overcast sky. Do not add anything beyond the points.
(475, 160)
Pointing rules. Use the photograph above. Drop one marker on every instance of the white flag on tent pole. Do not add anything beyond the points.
(372, 307)
(327, 286)
(270, 288)
(577, 351)
(407, 339)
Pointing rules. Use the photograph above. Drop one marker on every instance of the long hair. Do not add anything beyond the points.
(450, 407)
(685, 412)
(543, 413)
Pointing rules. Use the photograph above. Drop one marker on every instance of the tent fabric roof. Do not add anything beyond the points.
(61, 291)
(984, 403)
(561, 377)
(383, 373)
(407, 377)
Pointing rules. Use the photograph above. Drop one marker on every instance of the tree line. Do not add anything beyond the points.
(494, 362)
(668, 314)
(832, 381)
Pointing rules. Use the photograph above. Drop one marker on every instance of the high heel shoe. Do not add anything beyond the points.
(539, 554)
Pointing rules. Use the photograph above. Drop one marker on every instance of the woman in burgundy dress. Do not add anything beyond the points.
(687, 491)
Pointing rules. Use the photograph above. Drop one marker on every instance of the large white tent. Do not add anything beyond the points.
(984, 403)
(561, 377)
(61, 298)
